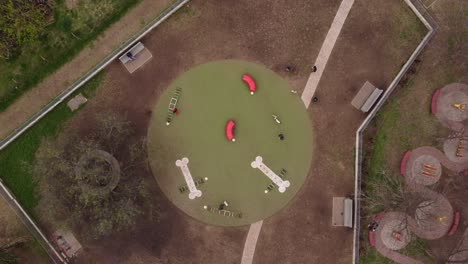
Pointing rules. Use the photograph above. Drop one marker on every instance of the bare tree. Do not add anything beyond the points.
(390, 193)
(94, 177)
(6, 256)
(460, 253)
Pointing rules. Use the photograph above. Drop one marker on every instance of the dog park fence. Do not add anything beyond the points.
(37, 233)
(421, 12)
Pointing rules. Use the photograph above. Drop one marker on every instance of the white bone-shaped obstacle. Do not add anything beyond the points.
(258, 164)
(194, 192)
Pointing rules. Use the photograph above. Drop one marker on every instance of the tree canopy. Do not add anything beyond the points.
(21, 22)
(95, 176)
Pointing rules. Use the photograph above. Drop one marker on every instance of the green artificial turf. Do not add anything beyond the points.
(212, 94)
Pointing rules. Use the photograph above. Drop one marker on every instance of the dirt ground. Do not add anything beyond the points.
(12, 228)
(444, 61)
(276, 34)
(306, 234)
(33, 100)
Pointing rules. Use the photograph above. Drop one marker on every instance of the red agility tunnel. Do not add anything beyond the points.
(250, 83)
(230, 130)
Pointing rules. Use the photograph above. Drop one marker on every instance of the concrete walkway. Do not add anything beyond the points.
(251, 243)
(326, 50)
(307, 94)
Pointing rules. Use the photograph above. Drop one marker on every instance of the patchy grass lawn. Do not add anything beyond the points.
(401, 125)
(70, 32)
(17, 158)
(374, 257)
(405, 122)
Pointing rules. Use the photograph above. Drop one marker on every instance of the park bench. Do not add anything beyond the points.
(366, 97)
(137, 48)
(135, 57)
(342, 213)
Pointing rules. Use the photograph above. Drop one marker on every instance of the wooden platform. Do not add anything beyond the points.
(76, 102)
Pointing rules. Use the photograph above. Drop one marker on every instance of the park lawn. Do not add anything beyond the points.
(62, 40)
(16, 159)
(212, 94)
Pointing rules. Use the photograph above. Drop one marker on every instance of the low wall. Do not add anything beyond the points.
(419, 10)
(24, 216)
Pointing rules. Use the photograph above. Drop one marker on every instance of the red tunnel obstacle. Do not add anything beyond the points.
(434, 102)
(403, 162)
(229, 131)
(250, 83)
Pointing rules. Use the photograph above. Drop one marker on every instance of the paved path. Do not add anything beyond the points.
(307, 94)
(326, 50)
(251, 242)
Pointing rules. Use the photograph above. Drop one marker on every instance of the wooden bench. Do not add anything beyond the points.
(135, 57)
(342, 213)
(133, 50)
(366, 97)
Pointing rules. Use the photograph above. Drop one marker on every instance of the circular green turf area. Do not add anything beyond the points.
(212, 94)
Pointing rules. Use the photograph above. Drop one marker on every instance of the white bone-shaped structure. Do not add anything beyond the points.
(194, 192)
(258, 164)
